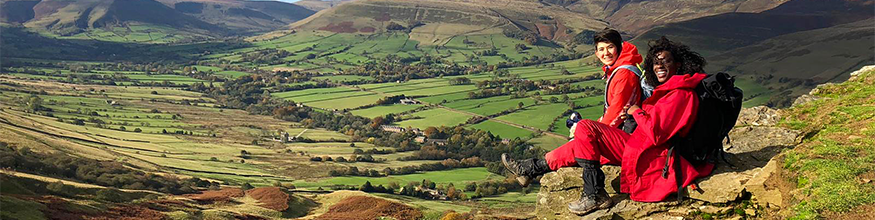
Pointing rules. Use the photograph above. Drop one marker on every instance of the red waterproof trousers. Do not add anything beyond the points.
(592, 141)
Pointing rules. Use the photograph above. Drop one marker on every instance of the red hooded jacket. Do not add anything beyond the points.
(622, 86)
(670, 111)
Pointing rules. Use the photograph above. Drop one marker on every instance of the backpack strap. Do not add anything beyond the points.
(673, 159)
(632, 68)
(678, 176)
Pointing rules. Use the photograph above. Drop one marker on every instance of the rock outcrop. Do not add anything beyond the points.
(755, 141)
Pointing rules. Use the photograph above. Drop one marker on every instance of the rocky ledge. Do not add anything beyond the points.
(756, 142)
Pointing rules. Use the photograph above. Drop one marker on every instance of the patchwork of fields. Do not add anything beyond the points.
(154, 119)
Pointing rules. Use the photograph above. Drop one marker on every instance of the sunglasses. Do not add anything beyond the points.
(663, 61)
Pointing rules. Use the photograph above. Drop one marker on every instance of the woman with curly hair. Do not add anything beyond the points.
(674, 71)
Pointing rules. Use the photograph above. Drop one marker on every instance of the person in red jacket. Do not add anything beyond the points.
(621, 71)
(642, 155)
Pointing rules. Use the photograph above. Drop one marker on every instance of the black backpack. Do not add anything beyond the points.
(719, 106)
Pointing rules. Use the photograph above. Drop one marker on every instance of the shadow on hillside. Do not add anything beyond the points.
(20, 43)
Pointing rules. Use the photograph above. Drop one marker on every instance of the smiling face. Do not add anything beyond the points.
(606, 52)
(664, 66)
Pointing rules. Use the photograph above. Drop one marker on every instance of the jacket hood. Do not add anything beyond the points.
(684, 81)
(629, 56)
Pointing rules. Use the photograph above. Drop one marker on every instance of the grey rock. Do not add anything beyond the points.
(755, 142)
(724, 186)
(863, 70)
(565, 186)
(757, 116)
(713, 209)
(761, 192)
(758, 144)
(804, 99)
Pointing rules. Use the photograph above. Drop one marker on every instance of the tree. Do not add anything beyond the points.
(394, 27)
(34, 103)
(367, 187)
(452, 193)
(565, 71)
(394, 185)
(471, 187)
(247, 186)
(431, 132)
(377, 121)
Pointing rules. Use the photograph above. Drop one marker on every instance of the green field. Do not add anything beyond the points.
(435, 117)
(420, 87)
(503, 130)
(754, 93)
(548, 142)
(489, 106)
(343, 78)
(161, 78)
(382, 110)
(331, 98)
(140, 33)
(540, 117)
(553, 71)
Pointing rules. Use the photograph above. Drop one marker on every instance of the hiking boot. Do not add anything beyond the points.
(592, 202)
(525, 170)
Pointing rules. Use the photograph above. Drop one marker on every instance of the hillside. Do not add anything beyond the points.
(242, 17)
(553, 20)
(636, 17)
(734, 30)
(71, 17)
(787, 50)
(819, 56)
(435, 22)
(149, 20)
(319, 5)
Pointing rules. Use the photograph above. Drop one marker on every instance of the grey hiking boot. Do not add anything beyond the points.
(589, 203)
(525, 170)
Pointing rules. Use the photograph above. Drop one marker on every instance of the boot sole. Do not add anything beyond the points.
(604, 205)
(522, 180)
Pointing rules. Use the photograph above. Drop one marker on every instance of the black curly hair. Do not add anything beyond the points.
(690, 61)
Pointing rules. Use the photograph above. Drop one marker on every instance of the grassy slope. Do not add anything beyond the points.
(830, 166)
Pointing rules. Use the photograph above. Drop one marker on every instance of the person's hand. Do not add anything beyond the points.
(630, 109)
